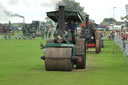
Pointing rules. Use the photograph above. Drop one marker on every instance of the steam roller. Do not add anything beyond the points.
(66, 51)
(92, 36)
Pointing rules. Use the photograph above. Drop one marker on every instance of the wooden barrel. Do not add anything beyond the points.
(58, 59)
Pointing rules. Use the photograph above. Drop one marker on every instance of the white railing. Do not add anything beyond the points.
(122, 43)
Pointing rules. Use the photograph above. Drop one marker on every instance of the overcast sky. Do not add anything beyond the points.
(36, 9)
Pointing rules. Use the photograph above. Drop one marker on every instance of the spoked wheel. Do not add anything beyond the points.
(81, 63)
(97, 46)
(58, 59)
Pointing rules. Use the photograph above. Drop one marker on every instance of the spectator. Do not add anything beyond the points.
(71, 28)
(9, 37)
(5, 37)
(75, 25)
(0, 30)
(33, 32)
(83, 25)
(42, 32)
(49, 32)
(16, 36)
(25, 31)
(46, 32)
(20, 36)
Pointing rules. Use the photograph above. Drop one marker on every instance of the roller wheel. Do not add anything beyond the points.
(97, 35)
(81, 63)
(58, 59)
(81, 53)
(97, 46)
(98, 41)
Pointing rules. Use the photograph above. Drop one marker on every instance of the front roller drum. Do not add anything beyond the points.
(58, 59)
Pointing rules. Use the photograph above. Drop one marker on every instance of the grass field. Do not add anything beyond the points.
(20, 64)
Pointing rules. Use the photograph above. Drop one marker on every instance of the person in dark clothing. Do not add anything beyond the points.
(92, 30)
(71, 28)
(49, 32)
(42, 32)
(46, 32)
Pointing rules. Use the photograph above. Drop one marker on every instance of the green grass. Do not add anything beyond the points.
(20, 64)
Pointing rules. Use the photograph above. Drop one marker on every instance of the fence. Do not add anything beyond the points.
(122, 43)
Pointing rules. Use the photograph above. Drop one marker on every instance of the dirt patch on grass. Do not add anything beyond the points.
(91, 65)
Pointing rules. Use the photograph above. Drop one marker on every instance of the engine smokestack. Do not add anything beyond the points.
(61, 18)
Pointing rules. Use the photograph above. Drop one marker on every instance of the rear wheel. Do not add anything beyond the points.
(97, 46)
(98, 41)
(81, 63)
(81, 53)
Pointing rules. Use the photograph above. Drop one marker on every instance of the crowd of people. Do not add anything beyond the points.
(27, 32)
(16, 36)
(46, 32)
(19, 36)
(115, 33)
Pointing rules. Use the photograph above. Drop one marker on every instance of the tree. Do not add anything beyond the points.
(70, 5)
(108, 21)
(50, 22)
